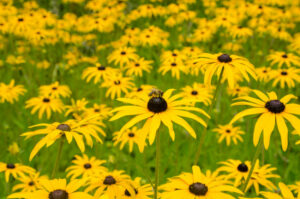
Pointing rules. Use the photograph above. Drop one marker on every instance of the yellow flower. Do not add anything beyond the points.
(231, 64)
(44, 104)
(117, 84)
(228, 132)
(130, 136)
(123, 56)
(156, 109)
(10, 92)
(97, 72)
(55, 90)
(77, 107)
(16, 170)
(197, 185)
(55, 189)
(138, 66)
(85, 167)
(198, 93)
(29, 183)
(270, 109)
(14, 148)
(285, 77)
(86, 128)
(283, 58)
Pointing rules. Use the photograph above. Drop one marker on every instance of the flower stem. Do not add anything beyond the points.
(256, 154)
(61, 144)
(157, 163)
(202, 138)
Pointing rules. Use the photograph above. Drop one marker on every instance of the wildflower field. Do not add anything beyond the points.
(148, 99)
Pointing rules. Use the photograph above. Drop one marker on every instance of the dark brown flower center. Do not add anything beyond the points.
(284, 56)
(59, 194)
(224, 58)
(64, 127)
(157, 104)
(54, 88)
(123, 53)
(46, 100)
(228, 131)
(96, 110)
(20, 19)
(264, 71)
(137, 65)
(173, 64)
(31, 183)
(87, 166)
(128, 194)
(117, 82)
(275, 106)
(101, 67)
(10, 166)
(242, 167)
(284, 73)
(131, 134)
(194, 92)
(198, 189)
(109, 180)
(139, 89)
(174, 54)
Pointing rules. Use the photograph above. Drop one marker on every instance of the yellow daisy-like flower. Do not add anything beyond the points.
(271, 110)
(156, 109)
(86, 128)
(263, 73)
(239, 91)
(131, 136)
(111, 184)
(123, 56)
(55, 90)
(117, 84)
(14, 148)
(197, 93)
(230, 64)
(77, 107)
(56, 189)
(29, 183)
(16, 170)
(85, 167)
(44, 104)
(137, 67)
(11, 92)
(285, 192)
(98, 72)
(175, 66)
(283, 58)
(141, 191)
(102, 110)
(285, 77)
(197, 185)
(141, 90)
(228, 132)
(295, 187)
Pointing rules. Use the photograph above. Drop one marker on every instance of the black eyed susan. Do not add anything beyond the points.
(285, 77)
(285, 193)
(111, 184)
(16, 170)
(229, 133)
(156, 109)
(71, 129)
(235, 170)
(44, 104)
(98, 72)
(85, 167)
(284, 59)
(117, 84)
(55, 189)
(11, 92)
(55, 90)
(229, 64)
(141, 90)
(240, 32)
(141, 191)
(77, 107)
(29, 183)
(131, 136)
(98, 109)
(123, 56)
(295, 187)
(137, 67)
(270, 110)
(198, 93)
(263, 74)
(239, 91)
(197, 185)
(175, 66)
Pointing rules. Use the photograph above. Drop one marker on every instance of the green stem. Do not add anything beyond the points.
(61, 144)
(256, 154)
(202, 138)
(157, 163)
